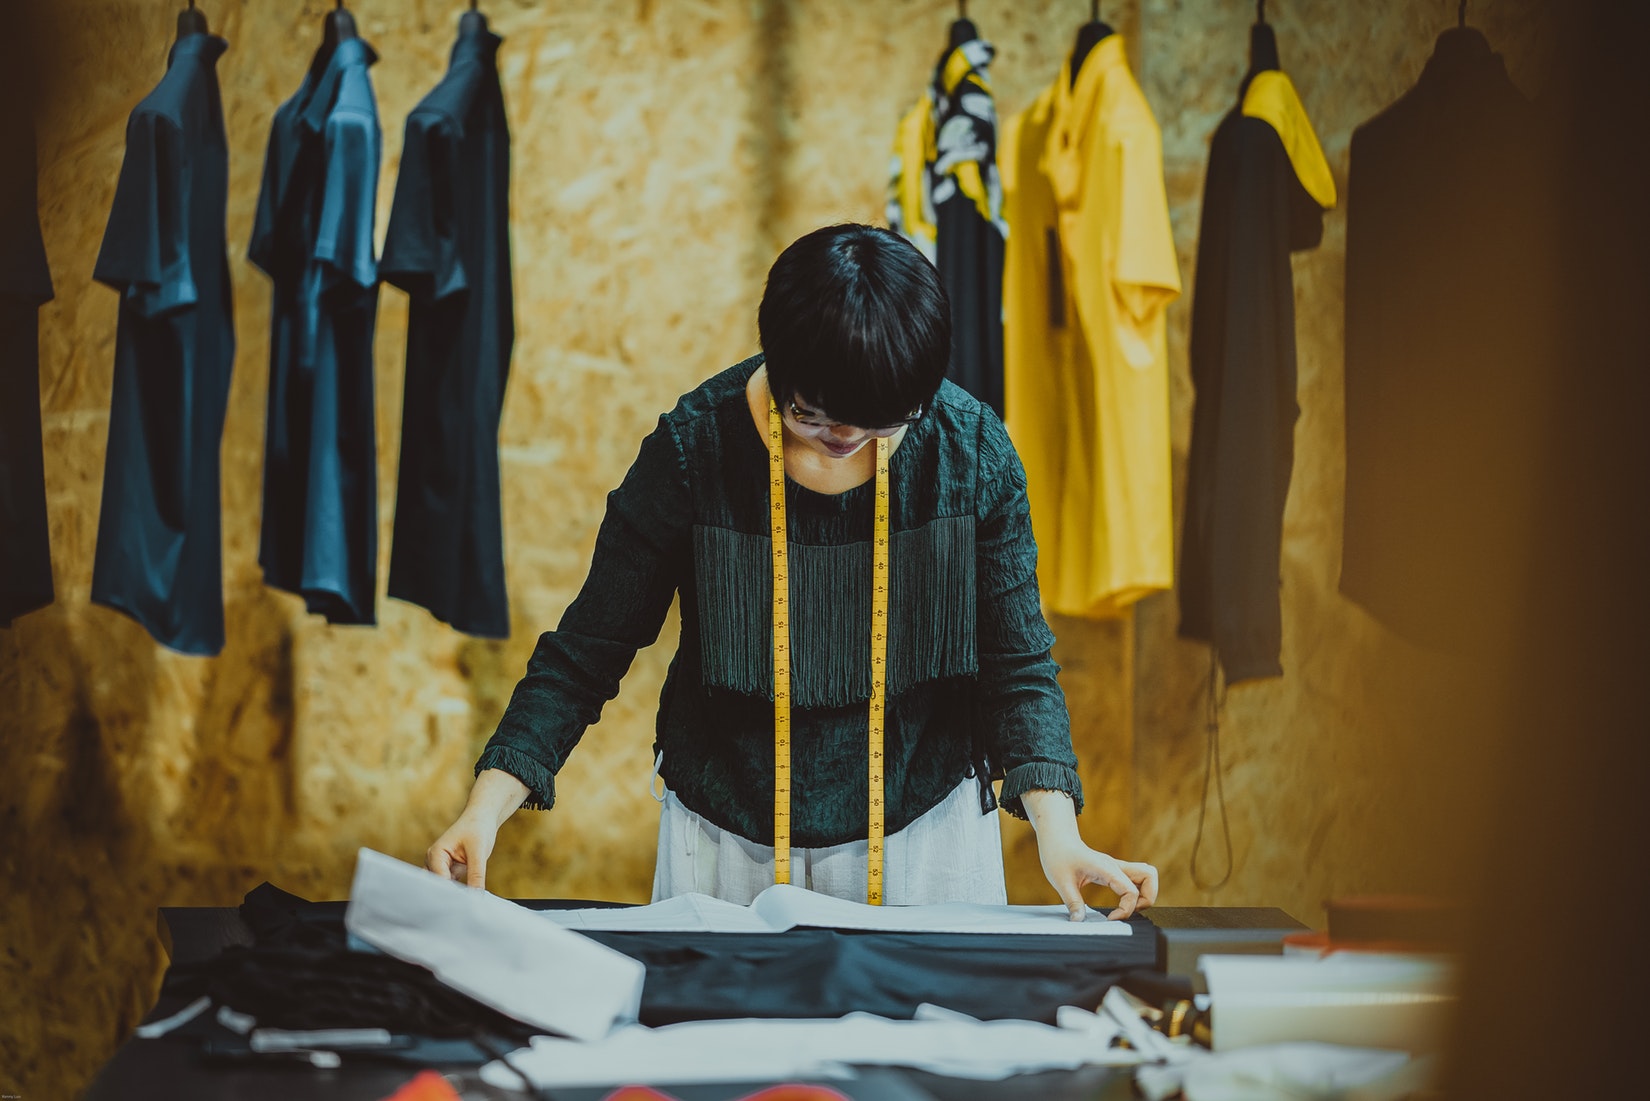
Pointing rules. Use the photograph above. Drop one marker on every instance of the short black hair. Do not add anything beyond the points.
(854, 323)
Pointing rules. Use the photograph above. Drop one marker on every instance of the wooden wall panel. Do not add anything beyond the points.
(664, 153)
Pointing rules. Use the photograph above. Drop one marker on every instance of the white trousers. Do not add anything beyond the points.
(952, 853)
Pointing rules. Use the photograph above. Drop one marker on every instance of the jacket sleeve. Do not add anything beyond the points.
(643, 544)
(1027, 729)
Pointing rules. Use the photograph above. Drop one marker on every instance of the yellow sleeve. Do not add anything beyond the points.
(1145, 271)
(911, 143)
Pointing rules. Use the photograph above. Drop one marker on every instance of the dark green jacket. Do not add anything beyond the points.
(971, 686)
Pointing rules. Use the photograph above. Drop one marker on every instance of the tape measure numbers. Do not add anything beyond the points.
(779, 534)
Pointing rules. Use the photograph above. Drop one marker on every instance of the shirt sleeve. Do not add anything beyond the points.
(643, 544)
(421, 253)
(1027, 728)
(145, 253)
(1145, 272)
(344, 236)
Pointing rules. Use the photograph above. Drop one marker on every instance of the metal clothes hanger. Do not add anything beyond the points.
(340, 24)
(1462, 46)
(1263, 49)
(1263, 44)
(962, 29)
(1089, 35)
(191, 21)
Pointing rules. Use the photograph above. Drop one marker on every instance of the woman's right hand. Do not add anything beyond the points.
(461, 853)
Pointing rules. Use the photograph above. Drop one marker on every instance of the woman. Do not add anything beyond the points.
(856, 333)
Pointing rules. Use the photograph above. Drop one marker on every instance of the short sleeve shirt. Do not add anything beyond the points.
(313, 236)
(159, 541)
(1092, 267)
(448, 247)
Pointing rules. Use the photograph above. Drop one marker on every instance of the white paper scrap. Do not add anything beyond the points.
(497, 952)
(778, 1050)
(784, 906)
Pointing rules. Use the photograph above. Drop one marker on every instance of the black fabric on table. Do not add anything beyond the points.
(800, 973)
(830, 973)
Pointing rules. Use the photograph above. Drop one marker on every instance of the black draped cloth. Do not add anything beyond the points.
(25, 285)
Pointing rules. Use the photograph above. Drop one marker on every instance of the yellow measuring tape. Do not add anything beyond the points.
(779, 534)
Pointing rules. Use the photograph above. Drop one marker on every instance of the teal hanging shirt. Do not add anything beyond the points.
(971, 685)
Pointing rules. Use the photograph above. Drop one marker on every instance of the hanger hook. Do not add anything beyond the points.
(1260, 11)
(1094, 11)
(1461, 14)
(962, 9)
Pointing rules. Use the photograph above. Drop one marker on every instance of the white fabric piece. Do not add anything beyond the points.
(775, 1050)
(783, 907)
(1287, 1072)
(952, 853)
(495, 951)
(155, 1029)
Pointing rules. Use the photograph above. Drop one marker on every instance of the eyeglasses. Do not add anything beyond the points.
(813, 418)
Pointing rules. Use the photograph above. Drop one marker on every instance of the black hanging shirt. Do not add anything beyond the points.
(25, 285)
(159, 542)
(1268, 185)
(448, 247)
(313, 236)
(1446, 300)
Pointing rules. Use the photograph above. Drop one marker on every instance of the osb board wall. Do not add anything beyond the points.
(664, 152)
(1364, 768)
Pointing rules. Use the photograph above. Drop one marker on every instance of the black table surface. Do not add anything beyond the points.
(142, 1070)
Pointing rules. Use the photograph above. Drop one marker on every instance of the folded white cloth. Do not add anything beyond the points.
(501, 954)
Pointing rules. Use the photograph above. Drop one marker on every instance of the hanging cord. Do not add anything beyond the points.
(1211, 767)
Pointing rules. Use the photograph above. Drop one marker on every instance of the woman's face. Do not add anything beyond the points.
(831, 438)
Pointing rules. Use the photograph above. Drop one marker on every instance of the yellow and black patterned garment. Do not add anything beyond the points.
(944, 196)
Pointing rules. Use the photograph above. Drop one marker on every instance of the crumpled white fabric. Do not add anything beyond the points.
(777, 1050)
(1287, 1072)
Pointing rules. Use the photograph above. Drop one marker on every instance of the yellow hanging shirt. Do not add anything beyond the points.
(1090, 268)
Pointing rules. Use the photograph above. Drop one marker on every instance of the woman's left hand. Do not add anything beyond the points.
(1069, 864)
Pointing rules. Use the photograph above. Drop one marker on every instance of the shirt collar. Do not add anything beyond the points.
(1075, 102)
(207, 47)
(322, 90)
